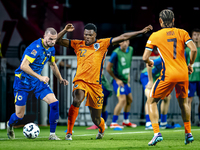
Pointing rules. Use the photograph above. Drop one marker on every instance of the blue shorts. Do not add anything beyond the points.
(121, 90)
(193, 87)
(40, 91)
(144, 80)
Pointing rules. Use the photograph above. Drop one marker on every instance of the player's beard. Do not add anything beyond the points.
(48, 45)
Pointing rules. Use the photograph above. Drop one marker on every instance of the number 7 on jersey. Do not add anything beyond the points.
(174, 40)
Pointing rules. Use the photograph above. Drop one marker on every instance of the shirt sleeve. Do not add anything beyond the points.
(186, 37)
(113, 57)
(53, 56)
(107, 41)
(150, 43)
(74, 44)
(31, 53)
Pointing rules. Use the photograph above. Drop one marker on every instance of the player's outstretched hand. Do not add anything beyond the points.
(44, 79)
(190, 69)
(69, 27)
(120, 83)
(64, 82)
(147, 28)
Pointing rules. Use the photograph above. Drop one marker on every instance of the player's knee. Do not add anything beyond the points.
(96, 120)
(20, 115)
(129, 101)
(77, 102)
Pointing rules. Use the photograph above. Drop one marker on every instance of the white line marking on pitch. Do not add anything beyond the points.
(139, 132)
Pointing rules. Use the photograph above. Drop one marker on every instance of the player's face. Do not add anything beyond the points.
(50, 40)
(89, 36)
(196, 36)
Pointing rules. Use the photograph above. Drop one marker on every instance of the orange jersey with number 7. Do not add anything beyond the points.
(170, 43)
(90, 59)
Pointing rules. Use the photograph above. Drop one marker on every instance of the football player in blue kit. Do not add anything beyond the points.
(28, 80)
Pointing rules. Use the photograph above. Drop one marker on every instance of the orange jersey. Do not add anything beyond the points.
(90, 59)
(170, 43)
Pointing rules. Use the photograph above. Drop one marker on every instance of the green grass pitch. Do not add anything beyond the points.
(128, 138)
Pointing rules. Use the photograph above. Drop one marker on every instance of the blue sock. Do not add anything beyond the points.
(53, 115)
(13, 120)
(115, 118)
(104, 115)
(163, 118)
(147, 118)
(126, 115)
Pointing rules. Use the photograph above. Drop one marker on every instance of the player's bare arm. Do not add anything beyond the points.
(193, 55)
(56, 72)
(109, 69)
(64, 42)
(130, 35)
(146, 59)
(26, 68)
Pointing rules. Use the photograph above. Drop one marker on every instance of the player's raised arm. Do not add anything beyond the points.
(129, 35)
(64, 42)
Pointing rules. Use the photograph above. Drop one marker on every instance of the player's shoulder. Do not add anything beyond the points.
(104, 40)
(77, 41)
(36, 43)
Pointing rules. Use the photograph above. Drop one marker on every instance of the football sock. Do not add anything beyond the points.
(126, 115)
(53, 116)
(147, 118)
(72, 115)
(163, 119)
(187, 127)
(101, 126)
(104, 115)
(115, 118)
(13, 120)
(155, 128)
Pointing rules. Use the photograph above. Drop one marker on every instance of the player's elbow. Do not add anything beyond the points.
(23, 67)
(145, 58)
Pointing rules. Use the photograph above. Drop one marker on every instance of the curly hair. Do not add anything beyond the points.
(167, 16)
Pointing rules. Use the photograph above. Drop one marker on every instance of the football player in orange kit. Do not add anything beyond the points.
(170, 43)
(90, 54)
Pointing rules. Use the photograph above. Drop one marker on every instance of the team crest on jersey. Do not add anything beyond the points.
(96, 46)
(34, 52)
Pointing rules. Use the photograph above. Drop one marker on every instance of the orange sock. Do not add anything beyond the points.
(155, 127)
(72, 115)
(187, 127)
(101, 126)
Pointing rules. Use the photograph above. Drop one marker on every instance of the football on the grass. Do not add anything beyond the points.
(31, 130)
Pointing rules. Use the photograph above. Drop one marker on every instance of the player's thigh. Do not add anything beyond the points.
(161, 89)
(21, 97)
(44, 92)
(181, 89)
(79, 91)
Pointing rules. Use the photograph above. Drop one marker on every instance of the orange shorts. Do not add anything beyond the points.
(93, 93)
(162, 89)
